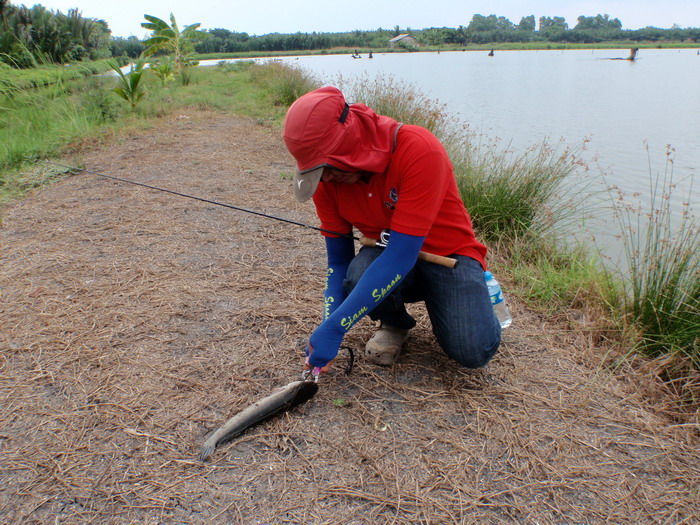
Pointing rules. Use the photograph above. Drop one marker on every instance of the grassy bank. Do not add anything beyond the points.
(17, 80)
(519, 200)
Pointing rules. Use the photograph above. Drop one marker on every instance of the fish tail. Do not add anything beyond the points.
(207, 449)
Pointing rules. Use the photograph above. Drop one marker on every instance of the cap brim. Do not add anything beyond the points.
(305, 184)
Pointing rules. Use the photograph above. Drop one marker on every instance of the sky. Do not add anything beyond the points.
(261, 17)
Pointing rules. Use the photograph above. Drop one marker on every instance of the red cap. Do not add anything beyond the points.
(321, 130)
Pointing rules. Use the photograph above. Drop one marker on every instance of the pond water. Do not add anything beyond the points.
(629, 112)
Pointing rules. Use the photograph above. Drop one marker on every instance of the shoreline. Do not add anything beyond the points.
(505, 46)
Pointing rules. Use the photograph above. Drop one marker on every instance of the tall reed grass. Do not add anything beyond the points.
(402, 101)
(660, 269)
(513, 195)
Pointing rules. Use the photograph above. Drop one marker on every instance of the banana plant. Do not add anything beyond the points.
(130, 86)
(171, 40)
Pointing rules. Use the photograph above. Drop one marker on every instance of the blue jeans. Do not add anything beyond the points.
(456, 299)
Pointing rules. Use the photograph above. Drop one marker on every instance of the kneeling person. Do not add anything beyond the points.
(369, 172)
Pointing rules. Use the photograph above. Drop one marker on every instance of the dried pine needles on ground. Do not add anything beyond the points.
(133, 323)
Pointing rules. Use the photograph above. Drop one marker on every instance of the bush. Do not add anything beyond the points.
(513, 196)
(235, 66)
(282, 82)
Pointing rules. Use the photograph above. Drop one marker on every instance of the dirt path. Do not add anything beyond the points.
(132, 323)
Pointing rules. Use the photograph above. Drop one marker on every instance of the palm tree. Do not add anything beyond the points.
(170, 39)
(4, 8)
(130, 86)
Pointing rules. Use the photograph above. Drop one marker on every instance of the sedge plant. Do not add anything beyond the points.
(661, 268)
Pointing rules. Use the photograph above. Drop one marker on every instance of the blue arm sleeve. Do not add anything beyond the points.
(378, 281)
(340, 251)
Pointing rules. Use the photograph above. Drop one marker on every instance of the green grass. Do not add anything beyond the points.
(36, 123)
(558, 280)
(503, 46)
(226, 87)
(40, 123)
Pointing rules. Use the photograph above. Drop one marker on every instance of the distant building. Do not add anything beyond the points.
(404, 39)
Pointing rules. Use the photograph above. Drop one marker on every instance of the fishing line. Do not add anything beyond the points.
(202, 199)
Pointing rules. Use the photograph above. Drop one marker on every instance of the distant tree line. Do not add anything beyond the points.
(225, 41)
(588, 30)
(32, 36)
(481, 30)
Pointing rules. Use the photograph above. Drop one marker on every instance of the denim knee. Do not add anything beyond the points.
(472, 353)
(460, 311)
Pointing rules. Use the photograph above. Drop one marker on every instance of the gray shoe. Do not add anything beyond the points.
(384, 347)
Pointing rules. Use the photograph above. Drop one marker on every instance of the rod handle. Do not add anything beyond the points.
(449, 262)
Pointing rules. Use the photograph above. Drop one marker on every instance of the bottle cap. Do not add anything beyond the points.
(488, 275)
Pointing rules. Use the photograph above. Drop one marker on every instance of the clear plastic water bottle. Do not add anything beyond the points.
(497, 300)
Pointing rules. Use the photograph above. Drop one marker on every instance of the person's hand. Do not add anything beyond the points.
(308, 366)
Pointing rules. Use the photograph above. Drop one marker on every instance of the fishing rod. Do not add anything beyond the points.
(202, 199)
(365, 241)
(296, 392)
